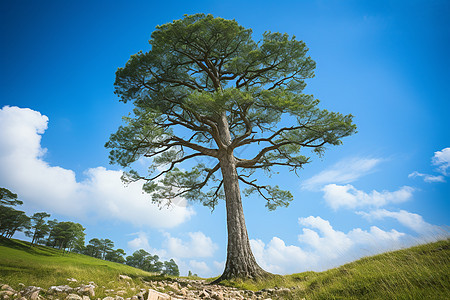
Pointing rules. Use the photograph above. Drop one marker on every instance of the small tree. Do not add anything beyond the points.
(39, 227)
(143, 260)
(11, 220)
(171, 268)
(205, 91)
(116, 256)
(66, 235)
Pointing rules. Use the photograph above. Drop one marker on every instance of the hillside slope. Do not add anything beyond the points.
(421, 272)
(44, 267)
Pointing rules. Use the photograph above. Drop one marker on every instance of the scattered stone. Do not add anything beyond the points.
(59, 289)
(73, 297)
(155, 295)
(108, 298)
(125, 277)
(7, 288)
(31, 291)
(86, 290)
(72, 280)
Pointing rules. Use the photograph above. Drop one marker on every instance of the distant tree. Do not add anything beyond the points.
(143, 260)
(106, 247)
(50, 240)
(99, 248)
(189, 273)
(11, 220)
(66, 235)
(116, 256)
(171, 268)
(39, 227)
(205, 91)
(8, 198)
(94, 248)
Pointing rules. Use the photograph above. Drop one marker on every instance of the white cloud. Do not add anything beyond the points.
(140, 242)
(198, 245)
(427, 177)
(413, 221)
(324, 247)
(442, 160)
(184, 252)
(56, 190)
(348, 196)
(199, 267)
(345, 171)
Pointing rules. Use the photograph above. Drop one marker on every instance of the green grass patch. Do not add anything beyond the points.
(43, 266)
(421, 272)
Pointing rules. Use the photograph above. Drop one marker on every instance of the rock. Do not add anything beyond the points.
(124, 277)
(216, 296)
(59, 289)
(108, 298)
(204, 294)
(155, 295)
(121, 293)
(7, 288)
(86, 290)
(86, 298)
(6, 293)
(72, 280)
(73, 297)
(31, 291)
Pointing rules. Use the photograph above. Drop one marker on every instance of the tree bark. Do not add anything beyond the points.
(240, 260)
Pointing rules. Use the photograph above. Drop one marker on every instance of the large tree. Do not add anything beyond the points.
(205, 91)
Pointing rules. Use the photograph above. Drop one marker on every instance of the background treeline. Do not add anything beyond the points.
(70, 236)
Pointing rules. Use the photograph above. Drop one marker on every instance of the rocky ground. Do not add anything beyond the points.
(154, 290)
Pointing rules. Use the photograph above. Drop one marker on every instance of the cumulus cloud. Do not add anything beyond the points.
(324, 247)
(441, 159)
(345, 171)
(412, 221)
(185, 251)
(102, 194)
(197, 245)
(348, 196)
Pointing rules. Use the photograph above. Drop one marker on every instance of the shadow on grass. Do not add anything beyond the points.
(26, 247)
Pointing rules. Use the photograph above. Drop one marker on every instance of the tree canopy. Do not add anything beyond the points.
(199, 69)
(207, 92)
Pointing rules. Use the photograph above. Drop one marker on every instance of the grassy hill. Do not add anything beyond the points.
(421, 272)
(43, 266)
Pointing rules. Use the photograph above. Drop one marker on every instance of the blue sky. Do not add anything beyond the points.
(385, 62)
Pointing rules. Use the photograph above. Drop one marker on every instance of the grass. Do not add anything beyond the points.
(43, 266)
(421, 272)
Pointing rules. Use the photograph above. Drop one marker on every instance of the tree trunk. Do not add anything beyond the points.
(240, 260)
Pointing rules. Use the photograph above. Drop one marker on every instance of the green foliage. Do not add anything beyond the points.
(66, 235)
(171, 268)
(143, 260)
(206, 90)
(420, 272)
(8, 198)
(39, 227)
